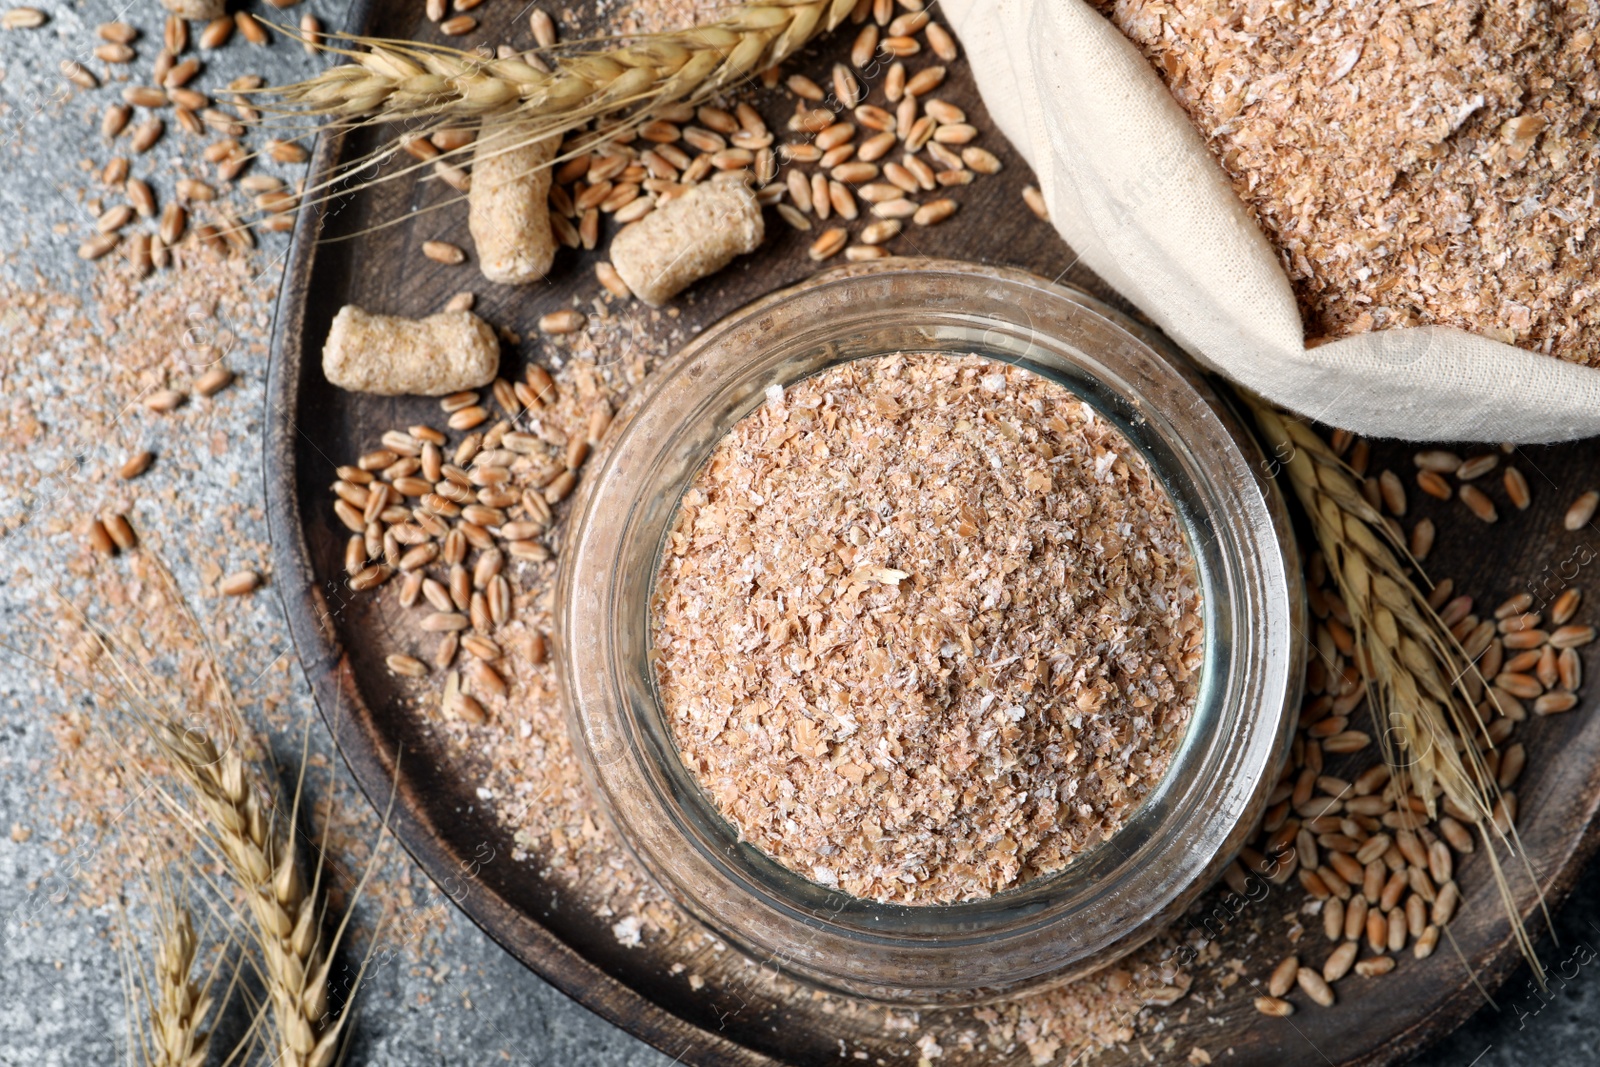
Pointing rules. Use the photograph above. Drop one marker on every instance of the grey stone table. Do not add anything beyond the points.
(462, 1000)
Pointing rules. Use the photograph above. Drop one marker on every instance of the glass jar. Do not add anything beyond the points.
(1110, 899)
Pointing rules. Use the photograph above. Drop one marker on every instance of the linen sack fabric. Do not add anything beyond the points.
(1132, 188)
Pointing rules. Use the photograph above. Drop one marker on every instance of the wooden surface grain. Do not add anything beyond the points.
(339, 257)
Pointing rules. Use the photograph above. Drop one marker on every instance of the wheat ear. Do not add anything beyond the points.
(176, 1015)
(175, 1006)
(398, 81)
(219, 802)
(263, 863)
(175, 1001)
(1419, 678)
(222, 809)
(180, 1004)
(617, 88)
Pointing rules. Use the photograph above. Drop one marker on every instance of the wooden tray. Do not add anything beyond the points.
(437, 818)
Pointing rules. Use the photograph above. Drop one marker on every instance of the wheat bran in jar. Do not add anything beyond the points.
(926, 627)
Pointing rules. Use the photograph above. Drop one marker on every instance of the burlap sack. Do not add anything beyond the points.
(1133, 190)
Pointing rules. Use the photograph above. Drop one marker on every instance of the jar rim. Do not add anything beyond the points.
(1055, 926)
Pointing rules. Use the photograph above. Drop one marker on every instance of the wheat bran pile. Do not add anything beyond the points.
(1414, 164)
(926, 628)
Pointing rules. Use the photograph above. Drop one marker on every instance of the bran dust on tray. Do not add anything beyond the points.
(926, 627)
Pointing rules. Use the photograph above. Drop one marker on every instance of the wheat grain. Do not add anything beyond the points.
(1547, 671)
(1478, 502)
(1581, 511)
(805, 88)
(1571, 636)
(112, 122)
(120, 532)
(1338, 964)
(98, 245)
(567, 320)
(78, 74)
(1312, 984)
(543, 26)
(876, 233)
(1433, 483)
(1377, 965)
(23, 19)
(1555, 703)
(98, 539)
(1422, 538)
(1515, 605)
(943, 45)
(934, 212)
(136, 465)
(443, 252)
(213, 381)
(900, 47)
(147, 134)
(1283, 976)
(1565, 607)
(240, 583)
(406, 666)
(165, 401)
(1035, 201)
